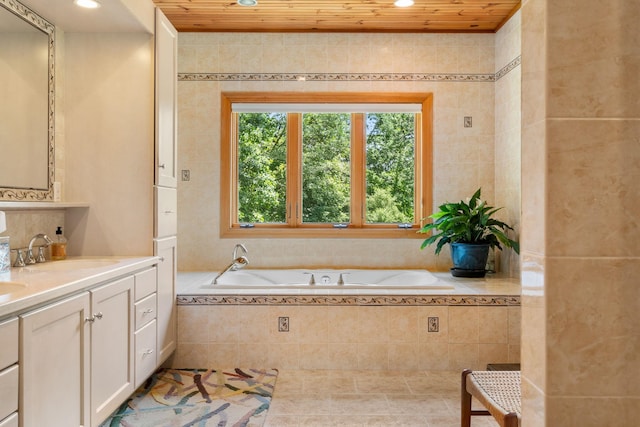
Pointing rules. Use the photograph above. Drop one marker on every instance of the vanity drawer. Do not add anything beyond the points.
(145, 311)
(146, 283)
(166, 212)
(11, 421)
(8, 391)
(145, 352)
(9, 339)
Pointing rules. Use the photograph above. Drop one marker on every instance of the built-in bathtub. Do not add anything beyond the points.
(377, 319)
(348, 279)
(375, 286)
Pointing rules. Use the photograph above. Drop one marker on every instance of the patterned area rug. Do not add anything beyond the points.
(199, 397)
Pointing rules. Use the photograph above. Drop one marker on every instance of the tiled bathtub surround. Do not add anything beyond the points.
(475, 324)
(458, 69)
(507, 133)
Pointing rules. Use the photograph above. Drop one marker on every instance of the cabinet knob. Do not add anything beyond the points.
(147, 311)
(147, 353)
(161, 166)
(93, 318)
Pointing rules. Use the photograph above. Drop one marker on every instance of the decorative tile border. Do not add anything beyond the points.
(348, 77)
(352, 300)
(337, 77)
(507, 68)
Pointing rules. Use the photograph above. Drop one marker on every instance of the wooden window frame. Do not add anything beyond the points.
(229, 228)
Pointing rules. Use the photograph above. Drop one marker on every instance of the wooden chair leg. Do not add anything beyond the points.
(465, 402)
(511, 420)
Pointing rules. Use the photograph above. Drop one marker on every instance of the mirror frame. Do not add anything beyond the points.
(21, 194)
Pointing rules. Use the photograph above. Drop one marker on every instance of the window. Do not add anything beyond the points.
(316, 164)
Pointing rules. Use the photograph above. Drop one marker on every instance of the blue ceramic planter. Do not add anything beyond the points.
(469, 259)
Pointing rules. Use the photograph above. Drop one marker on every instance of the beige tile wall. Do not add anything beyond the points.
(348, 337)
(581, 302)
(464, 158)
(508, 135)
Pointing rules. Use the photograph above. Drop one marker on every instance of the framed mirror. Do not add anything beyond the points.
(27, 148)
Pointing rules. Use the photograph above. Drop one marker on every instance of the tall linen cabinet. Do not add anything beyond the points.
(166, 181)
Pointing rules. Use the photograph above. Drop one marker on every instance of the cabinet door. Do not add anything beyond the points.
(166, 100)
(54, 364)
(112, 349)
(166, 315)
(166, 216)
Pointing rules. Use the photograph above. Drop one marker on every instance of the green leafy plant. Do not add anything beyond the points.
(469, 222)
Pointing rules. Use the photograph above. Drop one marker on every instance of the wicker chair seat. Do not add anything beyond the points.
(498, 391)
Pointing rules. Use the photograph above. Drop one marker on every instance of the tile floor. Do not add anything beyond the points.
(305, 398)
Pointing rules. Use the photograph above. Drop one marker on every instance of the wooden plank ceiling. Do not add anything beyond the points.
(381, 16)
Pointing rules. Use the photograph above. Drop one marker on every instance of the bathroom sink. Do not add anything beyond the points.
(11, 287)
(72, 264)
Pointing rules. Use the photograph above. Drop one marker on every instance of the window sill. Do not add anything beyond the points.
(322, 233)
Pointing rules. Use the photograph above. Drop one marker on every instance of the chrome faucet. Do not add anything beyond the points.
(237, 263)
(235, 256)
(40, 258)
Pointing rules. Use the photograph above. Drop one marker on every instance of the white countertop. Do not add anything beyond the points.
(28, 287)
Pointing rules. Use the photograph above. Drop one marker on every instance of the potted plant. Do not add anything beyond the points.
(471, 231)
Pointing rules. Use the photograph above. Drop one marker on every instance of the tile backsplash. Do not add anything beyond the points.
(23, 225)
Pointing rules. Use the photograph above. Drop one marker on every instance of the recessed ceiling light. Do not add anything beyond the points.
(248, 2)
(403, 3)
(88, 4)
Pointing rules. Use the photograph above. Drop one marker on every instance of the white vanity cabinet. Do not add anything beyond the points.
(146, 308)
(112, 347)
(167, 324)
(77, 355)
(9, 372)
(55, 363)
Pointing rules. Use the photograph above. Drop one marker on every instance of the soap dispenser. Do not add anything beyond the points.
(59, 246)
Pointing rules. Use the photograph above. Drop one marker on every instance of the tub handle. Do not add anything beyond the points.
(312, 280)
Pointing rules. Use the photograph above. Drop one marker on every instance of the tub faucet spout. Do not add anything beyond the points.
(237, 264)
